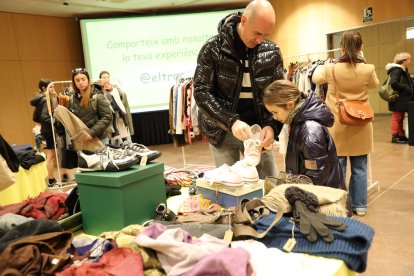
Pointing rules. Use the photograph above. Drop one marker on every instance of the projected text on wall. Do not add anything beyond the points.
(146, 55)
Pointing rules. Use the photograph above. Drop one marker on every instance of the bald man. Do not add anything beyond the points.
(233, 69)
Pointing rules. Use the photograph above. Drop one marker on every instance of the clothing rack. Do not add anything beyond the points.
(311, 54)
(49, 109)
(371, 184)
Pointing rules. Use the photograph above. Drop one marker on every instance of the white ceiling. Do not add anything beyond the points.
(97, 8)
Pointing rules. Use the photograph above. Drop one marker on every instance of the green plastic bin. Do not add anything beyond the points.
(112, 200)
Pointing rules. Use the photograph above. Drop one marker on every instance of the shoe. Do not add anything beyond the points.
(224, 175)
(360, 212)
(163, 213)
(398, 140)
(403, 138)
(139, 151)
(105, 159)
(248, 173)
(252, 152)
(53, 184)
(256, 129)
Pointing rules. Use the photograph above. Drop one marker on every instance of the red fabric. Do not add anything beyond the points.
(46, 205)
(118, 261)
(397, 119)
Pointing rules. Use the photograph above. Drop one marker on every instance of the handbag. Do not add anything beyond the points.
(353, 113)
(7, 177)
(386, 92)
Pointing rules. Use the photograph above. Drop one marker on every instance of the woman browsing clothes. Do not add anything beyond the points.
(349, 78)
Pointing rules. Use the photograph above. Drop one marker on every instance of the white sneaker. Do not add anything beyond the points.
(247, 172)
(256, 129)
(224, 175)
(252, 151)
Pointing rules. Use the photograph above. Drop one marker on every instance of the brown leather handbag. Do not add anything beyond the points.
(353, 113)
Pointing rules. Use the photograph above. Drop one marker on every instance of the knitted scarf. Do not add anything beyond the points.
(294, 111)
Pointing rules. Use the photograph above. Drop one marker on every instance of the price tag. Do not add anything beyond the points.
(289, 245)
(228, 236)
(143, 161)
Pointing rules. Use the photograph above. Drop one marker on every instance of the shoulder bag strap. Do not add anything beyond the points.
(247, 230)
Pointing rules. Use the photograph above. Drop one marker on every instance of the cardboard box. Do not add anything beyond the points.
(112, 200)
(227, 196)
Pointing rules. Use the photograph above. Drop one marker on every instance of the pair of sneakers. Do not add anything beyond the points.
(243, 171)
(233, 176)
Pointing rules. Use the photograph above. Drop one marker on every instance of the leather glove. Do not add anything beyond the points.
(313, 224)
(241, 130)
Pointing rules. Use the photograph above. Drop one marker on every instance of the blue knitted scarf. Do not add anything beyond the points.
(350, 245)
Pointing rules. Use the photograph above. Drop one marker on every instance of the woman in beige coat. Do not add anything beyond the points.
(353, 78)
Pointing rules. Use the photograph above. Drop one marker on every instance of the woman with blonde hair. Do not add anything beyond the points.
(401, 82)
(349, 78)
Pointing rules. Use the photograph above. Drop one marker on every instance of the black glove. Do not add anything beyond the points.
(313, 224)
(305, 213)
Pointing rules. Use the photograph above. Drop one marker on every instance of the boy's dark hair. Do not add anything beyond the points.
(43, 83)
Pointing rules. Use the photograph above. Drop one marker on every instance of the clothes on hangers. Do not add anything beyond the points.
(183, 112)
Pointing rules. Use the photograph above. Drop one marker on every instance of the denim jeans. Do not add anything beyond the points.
(229, 153)
(358, 183)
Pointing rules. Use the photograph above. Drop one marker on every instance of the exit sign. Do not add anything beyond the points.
(367, 14)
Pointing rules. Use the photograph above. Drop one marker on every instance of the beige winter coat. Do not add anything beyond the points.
(353, 83)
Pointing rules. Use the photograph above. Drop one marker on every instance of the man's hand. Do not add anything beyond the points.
(267, 136)
(241, 130)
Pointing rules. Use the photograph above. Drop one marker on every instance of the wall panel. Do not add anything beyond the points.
(37, 47)
(8, 47)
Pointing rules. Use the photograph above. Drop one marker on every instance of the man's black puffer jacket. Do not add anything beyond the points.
(218, 78)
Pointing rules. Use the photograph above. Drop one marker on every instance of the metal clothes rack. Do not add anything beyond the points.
(311, 54)
(49, 109)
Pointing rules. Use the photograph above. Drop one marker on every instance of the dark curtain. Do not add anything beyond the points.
(151, 128)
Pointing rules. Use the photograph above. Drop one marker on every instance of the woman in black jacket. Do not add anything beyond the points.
(401, 82)
(89, 104)
(311, 150)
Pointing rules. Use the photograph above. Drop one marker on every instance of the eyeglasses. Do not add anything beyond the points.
(78, 70)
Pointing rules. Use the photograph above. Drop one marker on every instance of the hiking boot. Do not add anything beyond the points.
(398, 140)
(105, 159)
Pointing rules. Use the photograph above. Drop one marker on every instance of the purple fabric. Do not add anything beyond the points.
(227, 262)
(154, 230)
